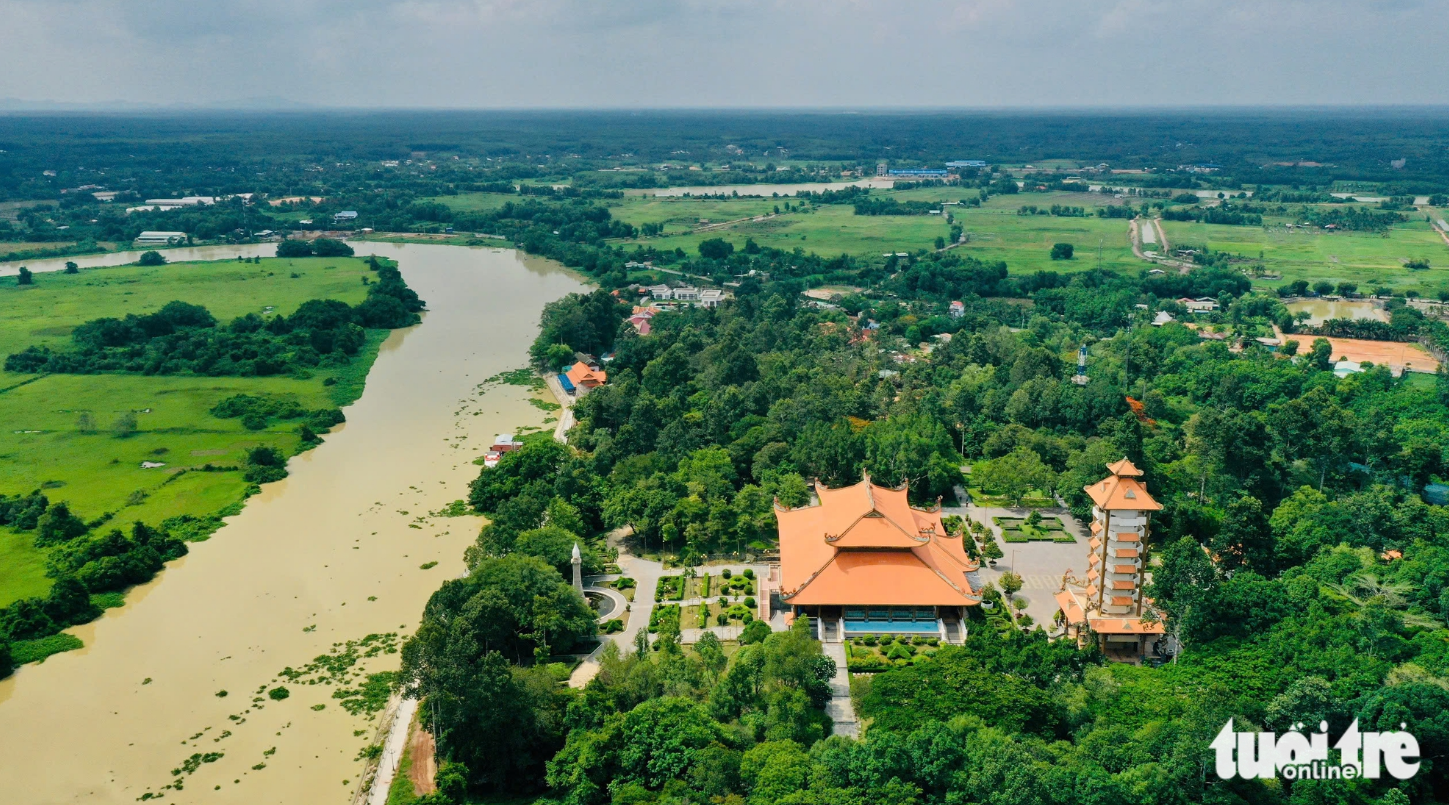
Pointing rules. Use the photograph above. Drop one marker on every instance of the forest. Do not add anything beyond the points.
(1301, 571)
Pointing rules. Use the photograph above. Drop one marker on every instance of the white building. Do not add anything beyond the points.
(686, 293)
(1202, 304)
(711, 297)
(160, 238)
(188, 201)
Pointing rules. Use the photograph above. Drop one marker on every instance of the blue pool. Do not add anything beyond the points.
(913, 620)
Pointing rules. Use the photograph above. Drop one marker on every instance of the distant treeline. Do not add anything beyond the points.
(1360, 219)
(182, 338)
(1223, 214)
(892, 206)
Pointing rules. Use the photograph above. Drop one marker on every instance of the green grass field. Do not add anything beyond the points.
(997, 232)
(1366, 258)
(43, 447)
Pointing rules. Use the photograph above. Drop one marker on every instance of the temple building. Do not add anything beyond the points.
(863, 560)
(1107, 607)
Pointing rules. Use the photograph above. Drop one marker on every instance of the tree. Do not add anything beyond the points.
(71, 267)
(1321, 358)
(58, 525)
(716, 249)
(1323, 288)
(328, 247)
(1062, 251)
(1014, 475)
(991, 549)
(151, 258)
(1244, 540)
(84, 423)
(1186, 587)
(294, 248)
(24, 277)
(1010, 583)
(125, 424)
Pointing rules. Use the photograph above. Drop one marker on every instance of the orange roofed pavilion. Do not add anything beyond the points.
(585, 378)
(864, 560)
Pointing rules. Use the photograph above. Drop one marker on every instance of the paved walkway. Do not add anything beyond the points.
(840, 708)
(1040, 564)
(392, 752)
(722, 632)
(645, 574)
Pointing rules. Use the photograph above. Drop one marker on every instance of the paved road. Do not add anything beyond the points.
(566, 414)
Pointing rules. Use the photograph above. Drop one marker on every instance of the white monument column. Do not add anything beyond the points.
(578, 562)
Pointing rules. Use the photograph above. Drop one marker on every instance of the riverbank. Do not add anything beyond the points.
(64, 438)
(353, 543)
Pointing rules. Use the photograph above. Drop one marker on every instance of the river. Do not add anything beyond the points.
(330, 554)
(174, 255)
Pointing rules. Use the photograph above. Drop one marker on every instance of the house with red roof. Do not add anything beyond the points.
(862, 560)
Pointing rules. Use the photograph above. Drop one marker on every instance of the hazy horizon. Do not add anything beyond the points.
(934, 55)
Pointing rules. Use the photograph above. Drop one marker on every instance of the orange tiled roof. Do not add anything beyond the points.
(1126, 553)
(1096, 527)
(1121, 600)
(1096, 544)
(1124, 568)
(1118, 492)
(1128, 536)
(583, 377)
(864, 544)
(1124, 468)
(1124, 626)
(1071, 608)
(1123, 585)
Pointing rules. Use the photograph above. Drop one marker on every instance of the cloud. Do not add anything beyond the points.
(532, 53)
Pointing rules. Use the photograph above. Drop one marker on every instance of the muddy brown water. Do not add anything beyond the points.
(1320, 310)
(323, 557)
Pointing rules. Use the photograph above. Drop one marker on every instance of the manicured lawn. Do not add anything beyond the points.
(870, 653)
(96, 471)
(1016, 529)
(1036, 499)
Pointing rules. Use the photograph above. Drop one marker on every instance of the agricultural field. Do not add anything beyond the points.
(995, 230)
(97, 470)
(1366, 258)
(474, 202)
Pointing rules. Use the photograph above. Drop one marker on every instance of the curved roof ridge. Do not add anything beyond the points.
(879, 515)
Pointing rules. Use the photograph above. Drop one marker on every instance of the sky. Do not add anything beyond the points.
(725, 53)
